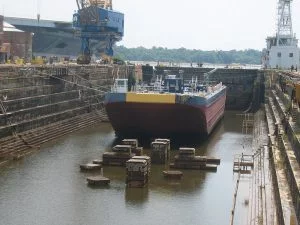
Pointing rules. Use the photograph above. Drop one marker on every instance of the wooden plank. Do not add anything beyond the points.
(90, 167)
(173, 174)
(98, 180)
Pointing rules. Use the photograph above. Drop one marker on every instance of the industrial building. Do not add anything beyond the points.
(15, 43)
(2, 52)
(51, 38)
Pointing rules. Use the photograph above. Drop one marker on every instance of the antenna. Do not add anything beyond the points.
(207, 75)
(38, 15)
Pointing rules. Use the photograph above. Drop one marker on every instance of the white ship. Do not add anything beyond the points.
(282, 49)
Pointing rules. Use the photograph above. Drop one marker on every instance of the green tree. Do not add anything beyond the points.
(248, 56)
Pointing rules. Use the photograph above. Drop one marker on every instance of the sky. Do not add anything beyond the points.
(193, 24)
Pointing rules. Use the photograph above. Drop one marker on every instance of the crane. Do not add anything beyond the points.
(96, 20)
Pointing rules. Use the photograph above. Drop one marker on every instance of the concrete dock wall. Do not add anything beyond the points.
(17, 93)
(30, 102)
(21, 82)
(43, 110)
(285, 211)
(285, 140)
(240, 82)
(34, 97)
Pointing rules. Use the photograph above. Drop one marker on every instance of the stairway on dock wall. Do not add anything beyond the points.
(13, 117)
(46, 102)
(17, 147)
(40, 110)
(22, 82)
(33, 99)
(43, 103)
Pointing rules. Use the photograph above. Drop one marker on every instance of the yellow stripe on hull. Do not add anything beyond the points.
(150, 98)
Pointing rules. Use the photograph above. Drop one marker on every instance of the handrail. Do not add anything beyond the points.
(162, 89)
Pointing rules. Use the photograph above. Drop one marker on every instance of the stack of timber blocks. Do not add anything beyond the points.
(134, 146)
(160, 150)
(186, 159)
(119, 156)
(138, 171)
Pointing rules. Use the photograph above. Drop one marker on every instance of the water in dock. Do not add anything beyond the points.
(48, 188)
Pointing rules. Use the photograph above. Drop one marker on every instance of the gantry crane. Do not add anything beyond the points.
(96, 20)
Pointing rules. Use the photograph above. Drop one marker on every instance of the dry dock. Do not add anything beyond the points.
(42, 104)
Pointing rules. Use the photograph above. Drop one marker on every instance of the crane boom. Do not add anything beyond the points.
(106, 4)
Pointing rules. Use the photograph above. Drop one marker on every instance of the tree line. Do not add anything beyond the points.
(248, 56)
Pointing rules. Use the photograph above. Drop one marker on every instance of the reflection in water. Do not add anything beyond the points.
(191, 181)
(136, 196)
(48, 188)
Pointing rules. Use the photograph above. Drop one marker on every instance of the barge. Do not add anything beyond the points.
(168, 108)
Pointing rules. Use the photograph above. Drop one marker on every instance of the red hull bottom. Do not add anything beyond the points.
(165, 120)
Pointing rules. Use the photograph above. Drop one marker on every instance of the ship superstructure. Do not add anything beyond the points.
(282, 49)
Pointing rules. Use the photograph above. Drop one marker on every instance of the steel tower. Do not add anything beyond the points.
(284, 24)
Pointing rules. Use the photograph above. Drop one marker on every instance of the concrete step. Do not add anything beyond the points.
(52, 132)
(54, 135)
(9, 139)
(36, 112)
(17, 93)
(11, 145)
(59, 130)
(45, 120)
(30, 102)
(66, 123)
(22, 82)
(34, 101)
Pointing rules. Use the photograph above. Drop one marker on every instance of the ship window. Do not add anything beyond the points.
(291, 55)
(121, 82)
(279, 54)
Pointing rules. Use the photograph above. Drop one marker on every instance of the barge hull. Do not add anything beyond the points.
(148, 119)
